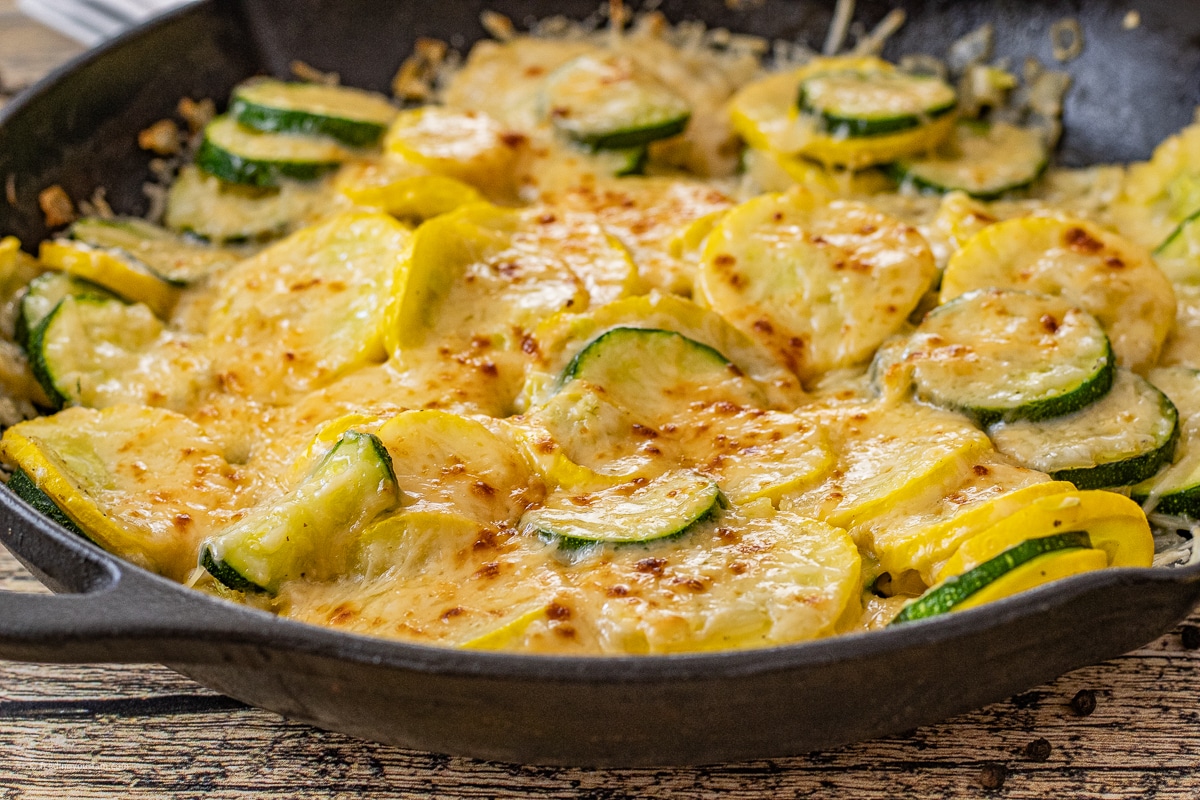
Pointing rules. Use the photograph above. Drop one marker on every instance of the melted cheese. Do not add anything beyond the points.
(435, 340)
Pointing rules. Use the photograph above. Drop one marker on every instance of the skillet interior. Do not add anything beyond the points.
(1133, 88)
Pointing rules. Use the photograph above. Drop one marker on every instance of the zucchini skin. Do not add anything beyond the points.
(633, 137)
(1047, 408)
(953, 591)
(227, 575)
(37, 359)
(355, 133)
(232, 168)
(902, 174)
(24, 487)
(1122, 473)
(859, 128)
(1183, 503)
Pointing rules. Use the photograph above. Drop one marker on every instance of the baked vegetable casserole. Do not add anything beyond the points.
(627, 341)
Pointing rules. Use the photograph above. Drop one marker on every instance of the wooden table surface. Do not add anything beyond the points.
(144, 732)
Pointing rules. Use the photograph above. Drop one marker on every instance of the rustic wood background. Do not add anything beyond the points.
(144, 732)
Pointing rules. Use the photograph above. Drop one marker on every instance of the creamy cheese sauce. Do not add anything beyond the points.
(437, 293)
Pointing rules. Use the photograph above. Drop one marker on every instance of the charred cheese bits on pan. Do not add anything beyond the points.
(623, 345)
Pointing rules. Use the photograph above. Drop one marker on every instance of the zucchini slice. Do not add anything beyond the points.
(985, 160)
(996, 354)
(1104, 274)
(1029, 564)
(1176, 490)
(1179, 253)
(1115, 524)
(641, 511)
(853, 103)
(112, 269)
(86, 342)
(240, 155)
(351, 116)
(44, 293)
(607, 103)
(1121, 439)
(220, 212)
(170, 257)
(303, 535)
(651, 371)
(765, 114)
(25, 488)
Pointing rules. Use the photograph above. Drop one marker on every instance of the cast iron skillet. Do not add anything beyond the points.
(78, 128)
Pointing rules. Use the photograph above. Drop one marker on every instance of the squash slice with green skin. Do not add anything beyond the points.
(1110, 277)
(1115, 524)
(305, 533)
(353, 117)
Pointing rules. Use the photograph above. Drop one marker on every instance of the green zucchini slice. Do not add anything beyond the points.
(651, 371)
(87, 341)
(1176, 490)
(607, 103)
(240, 155)
(958, 590)
(629, 513)
(1179, 254)
(173, 258)
(854, 103)
(1122, 439)
(217, 211)
(307, 532)
(24, 487)
(351, 116)
(998, 354)
(984, 160)
(44, 293)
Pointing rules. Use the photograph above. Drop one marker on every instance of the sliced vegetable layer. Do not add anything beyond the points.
(608, 103)
(642, 511)
(1176, 490)
(113, 269)
(984, 160)
(242, 155)
(873, 101)
(820, 283)
(1119, 440)
(175, 259)
(86, 342)
(306, 533)
(351, 116)
(653, 371)
(1017, 569)
(1003, 355)
(222, 212)
(1108, 276)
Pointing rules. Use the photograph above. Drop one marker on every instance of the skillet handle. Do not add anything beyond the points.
(109, 611)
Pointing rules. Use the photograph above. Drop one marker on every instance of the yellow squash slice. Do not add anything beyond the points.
(820, 283)
(143, 483)
(310, 308)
